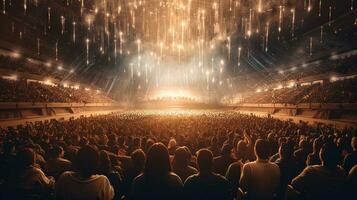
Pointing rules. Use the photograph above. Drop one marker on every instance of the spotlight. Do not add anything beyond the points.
(15, 54)
(333, 79)
(48, 64)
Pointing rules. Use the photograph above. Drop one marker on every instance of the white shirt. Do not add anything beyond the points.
(70, 187)
(260, 179)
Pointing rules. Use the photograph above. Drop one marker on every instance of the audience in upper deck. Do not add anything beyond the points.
(23, 91)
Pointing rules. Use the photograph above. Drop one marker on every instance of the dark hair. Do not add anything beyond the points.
(214, 141)
(205, 160)
(329, 155)
(8, 147)
(226, 150)
(105, 164)
(286, 150)
(304, 144)
(25, 158)
(241, 150)
(317, 144)
(87, 160)
(157, 162)
(262, 149)
(56, 151)
(138, 158)
(121, 140)
(181, 157)
(148, 144)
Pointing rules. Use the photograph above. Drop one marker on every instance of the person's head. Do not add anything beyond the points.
(205, 160)
(25, 158)
(214, 141)
(271, 137)
(262, 149)
(121, 141)
(8, 147)
(354, 143)
(148, 144)
(157, 162)
(87, 161)
(286, 150)
(136, 142)
(172, 144)
(138, 158)
(316, 146)
(104, 162)
(241, 150)
(304, 144)
(57, 152)
(226, 150)
(329, 155)
(181, 156)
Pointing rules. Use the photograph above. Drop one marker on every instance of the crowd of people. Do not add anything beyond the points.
(331, 92)
(177, 155)
(22, 65)
(24, 91)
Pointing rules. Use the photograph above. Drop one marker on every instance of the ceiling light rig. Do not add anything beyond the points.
(177, 40)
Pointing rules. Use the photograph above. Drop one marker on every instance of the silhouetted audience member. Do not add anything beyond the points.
(323, 181)
(28, 180)
(206, 184)
(135, 168)
(234, 170)
(351, 184)
(157, 181)
(7, 160)
(180, 164)
(172, 145)
(260, 179)
(314, 158)
(351, 158)
(287, 165)
(222, 162)
(214, 148)
(302, 153)
(56, 164)
(83, 183)
(105, 168)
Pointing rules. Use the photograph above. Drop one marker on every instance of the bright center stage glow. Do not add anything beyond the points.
(174, 94)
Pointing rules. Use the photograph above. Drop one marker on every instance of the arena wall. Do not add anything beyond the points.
(19, 113)
(340, 115)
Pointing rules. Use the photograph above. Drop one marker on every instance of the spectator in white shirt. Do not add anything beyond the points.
(260, 179)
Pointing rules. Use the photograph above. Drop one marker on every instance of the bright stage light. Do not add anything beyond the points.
(173, 94)
(15, 54)
(333, 79)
